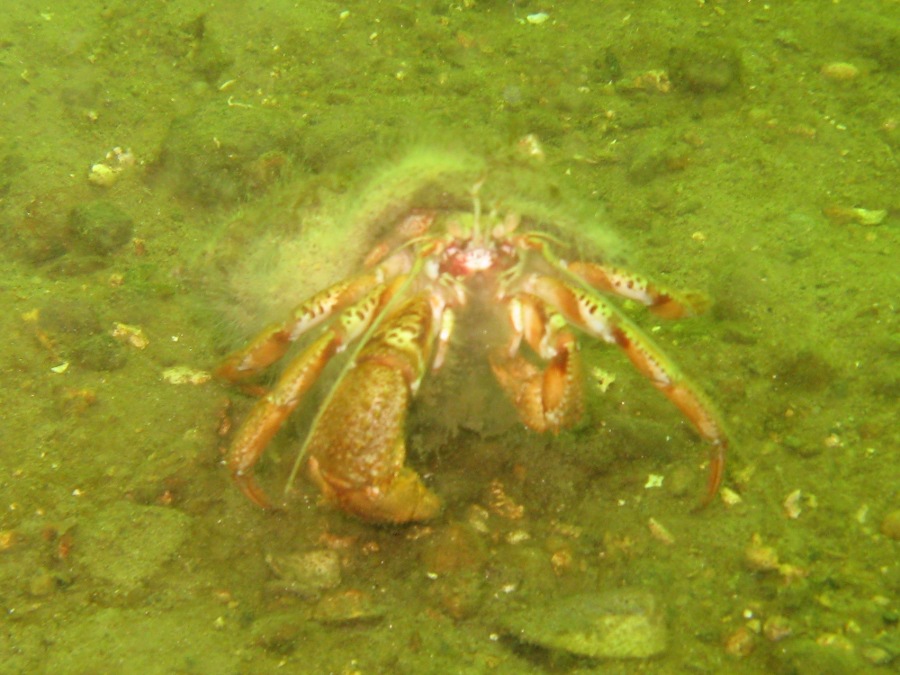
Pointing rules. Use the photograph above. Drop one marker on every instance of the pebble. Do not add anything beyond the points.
(777, 628)
(456, 548)
(350, 606)
(308, 573)
(99, 227)
(840, 71)
(740, 643)
(890, 525)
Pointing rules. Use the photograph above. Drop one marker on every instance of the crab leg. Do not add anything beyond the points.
(664, 302)
(595, 316)
(270, 412)
(272, 343)
(547, 399)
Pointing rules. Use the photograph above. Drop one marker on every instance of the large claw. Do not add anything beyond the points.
(357, 448)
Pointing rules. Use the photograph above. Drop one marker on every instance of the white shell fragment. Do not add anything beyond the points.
(654, 480)
(185, 375)
(792, 508)
(730, 497)
(105, 173)
(659, 532)
(132, 335)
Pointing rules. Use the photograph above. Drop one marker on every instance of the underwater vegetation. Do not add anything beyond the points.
(175, 177)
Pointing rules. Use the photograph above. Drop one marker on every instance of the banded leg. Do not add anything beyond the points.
(272, 343)
(664, 302)
(416, 224)
(547, 399)
(270, 412)
(598, 318)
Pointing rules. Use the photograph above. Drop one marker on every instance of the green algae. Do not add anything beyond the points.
(718, 184)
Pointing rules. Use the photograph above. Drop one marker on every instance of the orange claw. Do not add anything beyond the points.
(547, 399)
(357, 448)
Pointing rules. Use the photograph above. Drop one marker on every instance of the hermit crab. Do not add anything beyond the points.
(447, 241)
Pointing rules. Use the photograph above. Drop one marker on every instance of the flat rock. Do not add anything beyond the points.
(126, 544)
(620, 624)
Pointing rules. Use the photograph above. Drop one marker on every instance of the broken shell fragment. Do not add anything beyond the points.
(792, 507)
(843, 215)
(132, 335)
(185, 375)
(102, 175)
(659, 532)
(106, 172)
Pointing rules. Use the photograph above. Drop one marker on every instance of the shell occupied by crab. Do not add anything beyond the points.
(447, 242)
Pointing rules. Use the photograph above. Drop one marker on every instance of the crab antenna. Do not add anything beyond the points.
(476, 211)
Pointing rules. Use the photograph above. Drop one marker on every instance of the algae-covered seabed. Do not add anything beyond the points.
(126, 547)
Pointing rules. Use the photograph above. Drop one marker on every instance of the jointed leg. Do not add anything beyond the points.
(598, 318)
(664, 302)
(270, 412)
(272, 343)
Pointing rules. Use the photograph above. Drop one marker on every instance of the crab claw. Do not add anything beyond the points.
(549, 398)
(404, 500)
(357, 448)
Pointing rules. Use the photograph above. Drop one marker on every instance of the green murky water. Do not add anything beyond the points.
(173, 177)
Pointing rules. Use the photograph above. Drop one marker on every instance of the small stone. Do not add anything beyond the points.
(792, 506)
(761, 558)
(131, 335)
(185, 375)
(730, 497)
(705, 69)
(840, 71)
(306, 574)
(278, 634)
(102, 175)
(890, 525)
(777, 628)
(9, 539)
(99, 228)
(877, 656)
(844, 215)
(351, 606)
(740, 643)
(457, 548)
